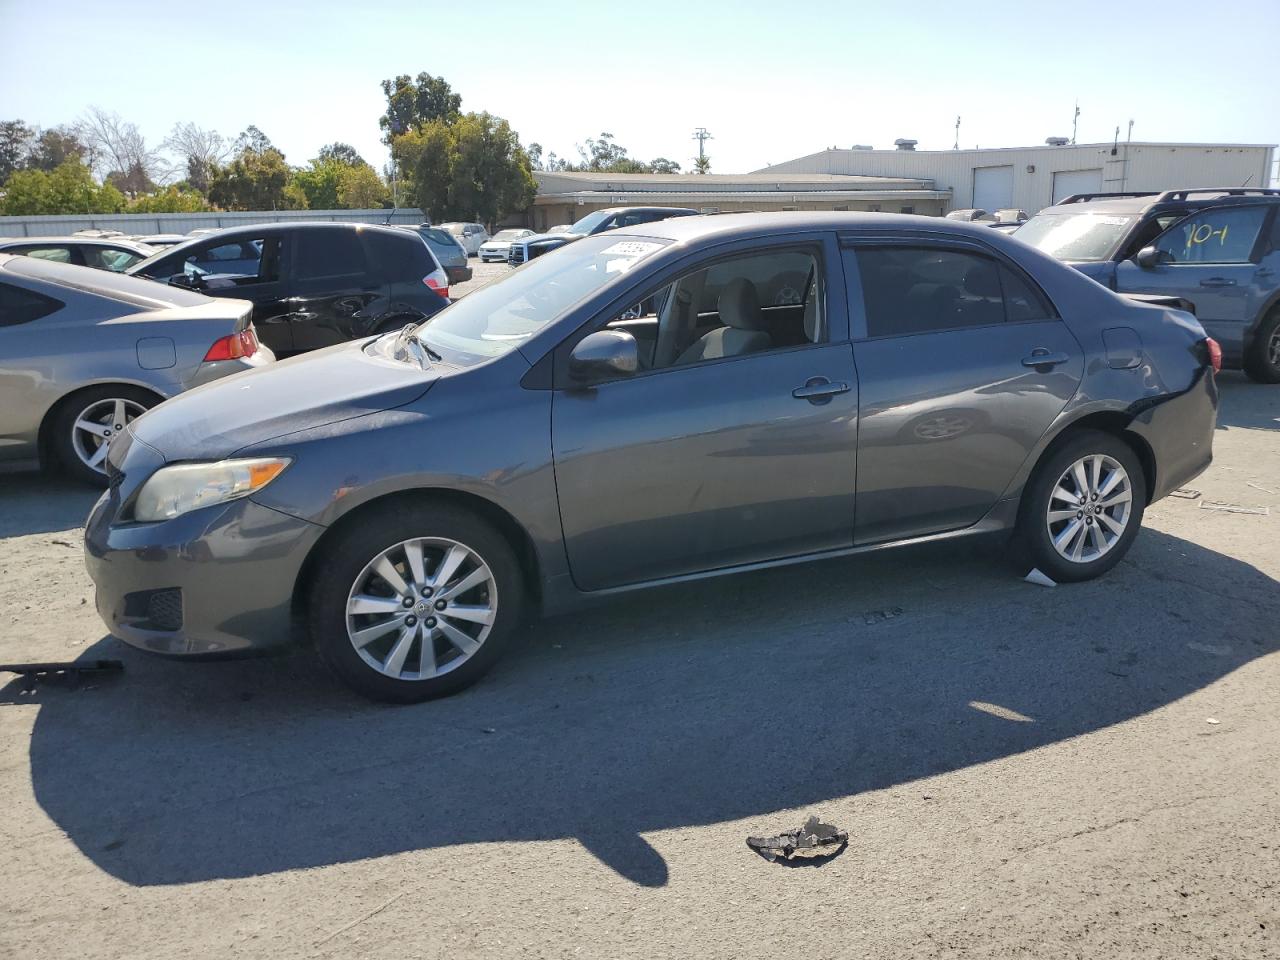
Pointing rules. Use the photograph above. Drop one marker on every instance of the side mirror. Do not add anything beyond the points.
(183, 280)
(604, 355)
(1147, 258)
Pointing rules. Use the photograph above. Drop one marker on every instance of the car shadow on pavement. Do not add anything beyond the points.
(1252, 406)
(31, 502)
(695, 704)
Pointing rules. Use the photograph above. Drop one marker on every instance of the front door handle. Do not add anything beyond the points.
(819, 390)
(1217, 282)
(1040, 357)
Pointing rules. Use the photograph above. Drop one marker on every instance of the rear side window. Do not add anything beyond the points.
(1222, 235)
(909, 290)
(56, 254)
(22, 306)
(327, 253)
(398, 257)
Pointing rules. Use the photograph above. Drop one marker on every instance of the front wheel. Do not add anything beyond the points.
(415, 602)
(1262, 363)
(1082, 507)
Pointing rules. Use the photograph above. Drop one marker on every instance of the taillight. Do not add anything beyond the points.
(1215, 354)
(437, 286)
(234, 346)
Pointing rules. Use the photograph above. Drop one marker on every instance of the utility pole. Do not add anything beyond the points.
(1075, 120)
(702, 136)
(957, 143)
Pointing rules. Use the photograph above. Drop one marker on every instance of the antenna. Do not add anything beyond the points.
(957, 143)
(1075, 120)
(702, 136)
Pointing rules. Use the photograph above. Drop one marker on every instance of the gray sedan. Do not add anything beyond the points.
(83, 353)
(671, 401)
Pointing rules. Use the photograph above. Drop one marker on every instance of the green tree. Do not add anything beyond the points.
(15, 144)
(344, 153)
(471, 169)
(172, 199)
(256, 179)
(68, 189)
(319, 183)
(55, 146)
(413, 103)
(702, 164)
(360, 188)
(663, 165)
(133, 182)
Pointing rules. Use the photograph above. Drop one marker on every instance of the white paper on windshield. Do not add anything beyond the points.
(630, 248)
(1114, 221)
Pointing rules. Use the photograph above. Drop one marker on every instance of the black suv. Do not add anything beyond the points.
(1216, 248)
(312, 284)
(591, 224)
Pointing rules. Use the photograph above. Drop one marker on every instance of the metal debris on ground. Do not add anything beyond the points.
(73, 670)
(1258, 486)
(1233, 508)
(815, 842)
(1186, 493)
(1213, 720)
(1039, 579)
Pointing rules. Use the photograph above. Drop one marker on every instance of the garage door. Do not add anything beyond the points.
(993, 188)
(1067, 182)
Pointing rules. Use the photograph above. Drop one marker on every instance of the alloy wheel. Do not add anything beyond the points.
(1090, 508)
(97, 425)
(421, 608)
(1273, 349)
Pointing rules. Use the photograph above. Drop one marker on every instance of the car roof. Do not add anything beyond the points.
(733, 226)
(121, 241)
(1141, 203)
(148, 294)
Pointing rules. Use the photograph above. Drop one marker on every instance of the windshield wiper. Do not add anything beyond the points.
(407, 342)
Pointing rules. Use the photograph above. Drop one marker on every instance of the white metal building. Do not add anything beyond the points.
(1030, 178)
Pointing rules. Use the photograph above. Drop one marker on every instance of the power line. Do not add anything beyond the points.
(702, 136)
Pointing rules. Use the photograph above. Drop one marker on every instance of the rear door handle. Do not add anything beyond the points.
(1040, 357)
(819, 390)
(1217, 282)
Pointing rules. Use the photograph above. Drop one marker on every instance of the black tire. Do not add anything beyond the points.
(1034, 544)
(62, 441)
(1262, 363)
(346, 558)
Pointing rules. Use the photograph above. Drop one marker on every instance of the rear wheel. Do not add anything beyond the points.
(415, 602)
(1263, 360)
(1082, 507)
(87, 423)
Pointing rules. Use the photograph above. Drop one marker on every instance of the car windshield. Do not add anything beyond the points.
(589, 222)
(1075, 236)
(500, 317)
(509, 235)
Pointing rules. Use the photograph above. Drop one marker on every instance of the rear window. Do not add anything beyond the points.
(22, 306)
(327, 253)
(438, 236)
(398, 256)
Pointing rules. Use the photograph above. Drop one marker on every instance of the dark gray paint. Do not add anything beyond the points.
(679, 473)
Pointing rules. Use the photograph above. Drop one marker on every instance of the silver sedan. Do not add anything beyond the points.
(84, 352)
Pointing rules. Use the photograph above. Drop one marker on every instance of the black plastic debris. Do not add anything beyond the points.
(816, 842)
(73, 670)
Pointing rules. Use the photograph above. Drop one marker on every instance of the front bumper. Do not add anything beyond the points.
(214, 582)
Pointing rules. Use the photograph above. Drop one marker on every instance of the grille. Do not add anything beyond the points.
(519, 253)
(164, 610)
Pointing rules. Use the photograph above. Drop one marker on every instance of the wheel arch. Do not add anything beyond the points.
(44, 439)
(506, 524)
(1113, 422)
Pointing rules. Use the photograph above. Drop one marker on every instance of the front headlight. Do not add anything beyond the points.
(172, 491)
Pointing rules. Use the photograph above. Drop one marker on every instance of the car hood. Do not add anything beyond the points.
(562, 237)
(341, 382)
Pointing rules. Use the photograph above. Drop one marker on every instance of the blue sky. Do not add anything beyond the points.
(770, 80)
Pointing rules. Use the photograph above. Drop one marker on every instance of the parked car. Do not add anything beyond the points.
(312, 284)
(469, 235)
(1219, 248)
(559, 228)
(82, 353)
(593, 223)
(116, 254)
(1011, 215)
(498, 247)
(543, 443)
(971, 215)
(447, 250)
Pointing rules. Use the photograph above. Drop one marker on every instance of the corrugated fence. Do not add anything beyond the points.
(147, 223)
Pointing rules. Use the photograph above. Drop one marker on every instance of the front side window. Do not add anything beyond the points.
(747, 304)
(237, 258)
(115, 259)
(56, 254)
(908, 290)
(1084, 237)
(22, 306)
(500, 317)
(327, 253)
(1222, 235)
